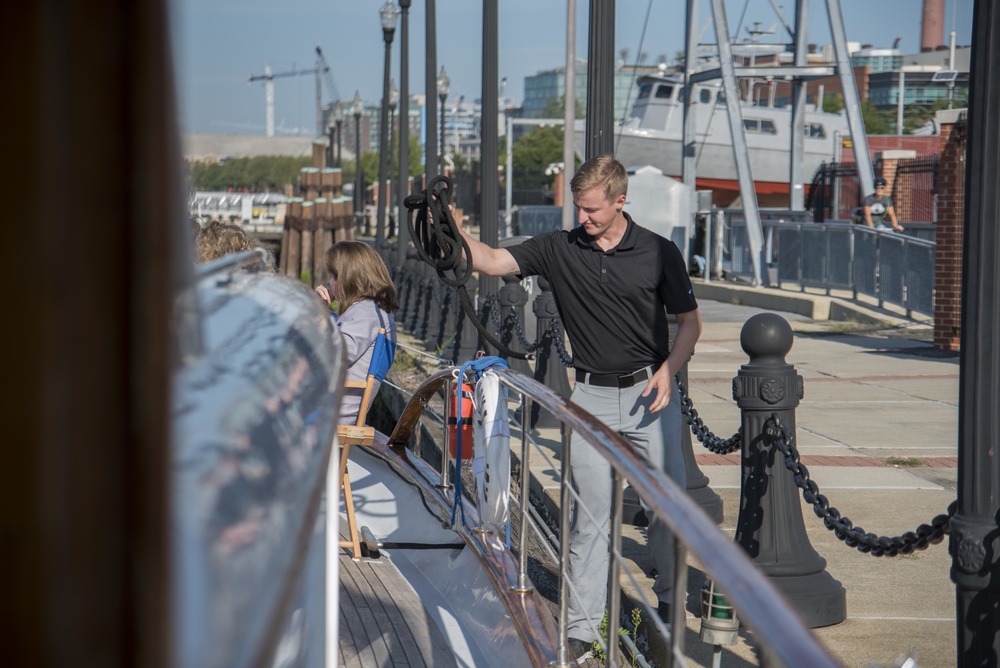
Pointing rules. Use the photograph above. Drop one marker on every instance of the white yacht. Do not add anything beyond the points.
(652, 136)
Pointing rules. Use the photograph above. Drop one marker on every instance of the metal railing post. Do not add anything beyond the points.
(446, 449)
(564, 528)
(614, 595)
(523, 583)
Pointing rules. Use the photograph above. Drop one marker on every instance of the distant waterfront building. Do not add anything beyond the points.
(879, 60)
(549, 86)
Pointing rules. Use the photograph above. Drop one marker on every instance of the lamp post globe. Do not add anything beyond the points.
(443, 82)
(357, 108)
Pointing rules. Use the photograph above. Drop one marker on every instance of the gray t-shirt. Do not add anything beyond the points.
(359, 326)
(879, 207)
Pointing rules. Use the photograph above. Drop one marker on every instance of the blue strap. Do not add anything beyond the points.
(478, 366)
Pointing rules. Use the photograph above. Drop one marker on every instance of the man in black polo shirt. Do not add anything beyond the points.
(614, 283)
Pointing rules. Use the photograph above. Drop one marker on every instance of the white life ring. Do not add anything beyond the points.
(491, 453)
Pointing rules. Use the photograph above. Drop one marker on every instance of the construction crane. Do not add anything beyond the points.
(330, 85)
(268, 78)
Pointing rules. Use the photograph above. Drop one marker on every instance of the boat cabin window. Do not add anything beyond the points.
(759, 126)
(706, 96)
(815, 131)
(664, 92)
(644, 91)
(721, 99)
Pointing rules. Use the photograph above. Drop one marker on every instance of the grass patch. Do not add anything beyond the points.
(404, 361)
(903, 461)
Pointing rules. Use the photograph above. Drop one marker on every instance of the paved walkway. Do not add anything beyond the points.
(877, 428)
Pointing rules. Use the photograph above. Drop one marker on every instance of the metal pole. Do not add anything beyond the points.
(359, 182)
(614, 594)
(489, 200)
(900, 101)
(430, 84)
(509, 176)
(340, 125)
(601, 79)
(565, 500)
(383, 150)
(523, 582)
(974, 527)
(688, 150)
(569, 117)
(441, 152)
(403, 187)
(796, 189)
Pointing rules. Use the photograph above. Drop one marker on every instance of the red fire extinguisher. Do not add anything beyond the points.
(463, 421)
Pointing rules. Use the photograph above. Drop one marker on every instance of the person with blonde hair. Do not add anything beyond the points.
(218, 239)
(614, 283)
(366, 300)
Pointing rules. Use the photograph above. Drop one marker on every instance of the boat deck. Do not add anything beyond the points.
(382, 622)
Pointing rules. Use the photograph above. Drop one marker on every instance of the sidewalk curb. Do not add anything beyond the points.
(817, 307)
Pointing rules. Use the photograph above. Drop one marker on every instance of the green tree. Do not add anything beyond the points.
(533, 153)
(259, 174)
(832, 104)
(554, 108)
(876, 122)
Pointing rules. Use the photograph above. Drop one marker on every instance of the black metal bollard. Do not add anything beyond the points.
(549, 369)
(770, 525)
(511, 300)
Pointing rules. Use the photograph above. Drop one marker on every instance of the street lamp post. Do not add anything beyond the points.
(338, 118)
(357, 108)
(402, 236)
(442, 85)
(393, 101)
(330, 129)
(388, 14)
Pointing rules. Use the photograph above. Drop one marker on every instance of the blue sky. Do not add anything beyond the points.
(218, 44)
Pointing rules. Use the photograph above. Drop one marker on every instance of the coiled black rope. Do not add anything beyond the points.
(440, 244)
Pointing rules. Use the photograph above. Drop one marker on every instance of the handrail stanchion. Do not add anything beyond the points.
(564, 528)
(446, 449)
(523, 583)
(678, 618)
(614, 594)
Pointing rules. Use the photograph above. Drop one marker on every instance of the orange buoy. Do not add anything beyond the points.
(463, 421)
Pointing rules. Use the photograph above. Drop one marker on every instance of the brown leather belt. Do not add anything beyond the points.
(610, 380)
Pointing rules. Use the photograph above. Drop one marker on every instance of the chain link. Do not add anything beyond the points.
(555, 331)
(493, 307)
(720, 446)
(842, 527)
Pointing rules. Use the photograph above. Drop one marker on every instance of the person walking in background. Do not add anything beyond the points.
(366, 300)
(614, 284)
(878, 207)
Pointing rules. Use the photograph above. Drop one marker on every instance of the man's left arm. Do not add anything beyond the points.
(688, 331)
(891, 212)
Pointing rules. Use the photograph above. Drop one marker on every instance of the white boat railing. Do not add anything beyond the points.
(780, 632)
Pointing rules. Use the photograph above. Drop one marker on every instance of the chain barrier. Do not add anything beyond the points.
(715, 444)
(842, 527)
(556, 332)
(492, 305)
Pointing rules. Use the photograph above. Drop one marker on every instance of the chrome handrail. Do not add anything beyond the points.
(764, 610)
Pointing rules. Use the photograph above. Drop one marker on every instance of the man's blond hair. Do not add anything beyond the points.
(604, 171)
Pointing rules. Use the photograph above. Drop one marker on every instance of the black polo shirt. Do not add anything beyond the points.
(613, 304)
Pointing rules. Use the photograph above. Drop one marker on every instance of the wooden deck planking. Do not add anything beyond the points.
(383, 623)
